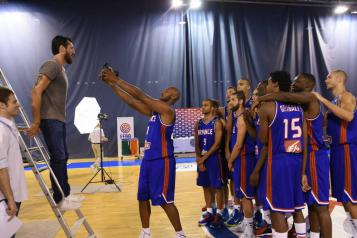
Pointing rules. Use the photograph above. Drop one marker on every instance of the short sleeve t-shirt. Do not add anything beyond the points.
(53, 105)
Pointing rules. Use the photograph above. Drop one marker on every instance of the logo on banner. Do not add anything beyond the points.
(125, 128)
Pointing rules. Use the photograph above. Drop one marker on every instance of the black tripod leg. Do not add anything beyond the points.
(112, 180)
(91, 180)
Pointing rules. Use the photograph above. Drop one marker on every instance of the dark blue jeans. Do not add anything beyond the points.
(54, 133)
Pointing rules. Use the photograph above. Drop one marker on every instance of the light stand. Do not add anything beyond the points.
(102, 171)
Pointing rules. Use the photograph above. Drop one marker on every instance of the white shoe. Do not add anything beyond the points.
(143, 234)
(248, 232)
(67, 205)
(239, 228)
(180, 235)
(75, 198)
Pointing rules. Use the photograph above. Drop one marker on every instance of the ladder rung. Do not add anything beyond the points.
(35, 148)
(42, 168)
(77, 225)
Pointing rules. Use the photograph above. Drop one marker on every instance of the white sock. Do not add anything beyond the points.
(180, 234)
(280, 235)
(210, 210)
(267, 216)
(314, 235)
(219, 211)
(214, 205)
(236, 207)
(232, 198)
(248, 220)
(348, 215)
(300, 229)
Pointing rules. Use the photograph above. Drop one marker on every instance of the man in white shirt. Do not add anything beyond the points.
(12, 177)
(94, 138)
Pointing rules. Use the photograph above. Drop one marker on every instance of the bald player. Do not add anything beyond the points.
(158, 168)
(342, 127)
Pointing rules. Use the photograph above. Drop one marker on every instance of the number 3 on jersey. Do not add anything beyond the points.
(292, 135)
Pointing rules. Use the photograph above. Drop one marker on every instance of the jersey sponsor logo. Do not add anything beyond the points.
(292, 146)
(147, 145)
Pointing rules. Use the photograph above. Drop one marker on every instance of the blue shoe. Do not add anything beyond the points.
(206, 219)
(258, 219)
(225, 214)
(236, 217)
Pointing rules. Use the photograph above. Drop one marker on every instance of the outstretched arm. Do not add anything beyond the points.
(153, 104)
(304, 181)
(346, 109)
(300, 98)
(132, 102)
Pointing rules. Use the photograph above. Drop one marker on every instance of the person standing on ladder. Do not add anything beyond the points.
(49, 96)
(13, 188)
(96, 137)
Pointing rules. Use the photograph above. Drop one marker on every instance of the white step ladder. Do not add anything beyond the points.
(44, 159)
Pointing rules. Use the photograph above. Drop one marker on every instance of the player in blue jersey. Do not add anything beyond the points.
(158, 168)
(282, 132)
(252, 121)
(242, 165)
(318, 162)
(342, 127)
(208, 139)
(245, 85)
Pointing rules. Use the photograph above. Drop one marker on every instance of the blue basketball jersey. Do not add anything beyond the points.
(341, 131)
(249, 141)
(234, 133)
(285, 131)
(248, 103)
(256, 122)
(158, 140)
(206, 134)
(315, 133)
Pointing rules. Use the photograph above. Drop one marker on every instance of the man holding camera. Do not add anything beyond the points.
(158, 168)
(49, 96)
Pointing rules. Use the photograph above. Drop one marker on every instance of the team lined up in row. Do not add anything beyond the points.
(271, 147)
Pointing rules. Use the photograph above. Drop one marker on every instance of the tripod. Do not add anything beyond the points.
(102, 171)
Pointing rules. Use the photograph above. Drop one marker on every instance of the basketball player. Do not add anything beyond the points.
(245, 85)
(342, 127)
(252, 121)
(242, 165)
(318, 162)
(208, 138)
(157, 171)
(282, 133)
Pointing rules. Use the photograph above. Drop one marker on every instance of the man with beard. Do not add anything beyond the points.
(342, 127)
(242, 165)
(158, 168)
(252, 121)
(318, 163)
(49, 96)
(283, 135)
(208, 138)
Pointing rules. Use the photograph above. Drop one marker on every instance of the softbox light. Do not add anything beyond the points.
(86, 113)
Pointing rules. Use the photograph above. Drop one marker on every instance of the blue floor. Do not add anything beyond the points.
(80, 165)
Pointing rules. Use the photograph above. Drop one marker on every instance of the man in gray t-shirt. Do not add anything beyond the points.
(49, 97)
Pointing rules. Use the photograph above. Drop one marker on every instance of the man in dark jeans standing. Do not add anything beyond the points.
(49, 96)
